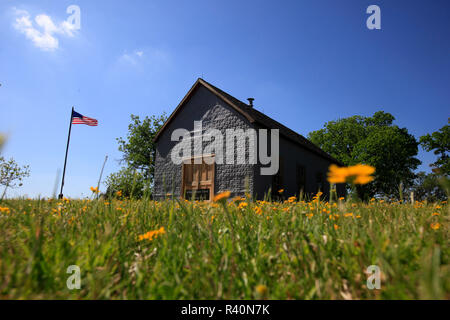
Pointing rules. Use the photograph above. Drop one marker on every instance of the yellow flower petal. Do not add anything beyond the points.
(222, 196)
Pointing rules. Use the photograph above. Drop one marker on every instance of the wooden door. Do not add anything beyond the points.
(197, 180)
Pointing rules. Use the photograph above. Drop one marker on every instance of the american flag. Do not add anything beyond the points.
(80, 119)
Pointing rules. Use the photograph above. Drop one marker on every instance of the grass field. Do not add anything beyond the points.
(241, 249)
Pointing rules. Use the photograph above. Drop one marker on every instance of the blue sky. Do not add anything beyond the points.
(305, 62)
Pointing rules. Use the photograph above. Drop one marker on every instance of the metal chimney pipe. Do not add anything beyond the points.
(250, 102)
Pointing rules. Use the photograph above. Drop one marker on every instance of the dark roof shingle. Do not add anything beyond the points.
(253, 116)
(270, 123)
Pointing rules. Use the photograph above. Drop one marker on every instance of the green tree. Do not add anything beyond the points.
(11, 174)
(138, 147)
(428, 187)
(2, 141)
(439, 141)
(130, 182)
(136, 177)
(375, 141)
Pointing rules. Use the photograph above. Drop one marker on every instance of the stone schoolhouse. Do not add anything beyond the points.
(302, 166)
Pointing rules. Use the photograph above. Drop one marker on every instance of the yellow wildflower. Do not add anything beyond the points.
(335, 226)
(348, 214)
(94, 189)
(316, 198)
(258, 210)
(281, 191)
(5, 210)
(435, 214)
(358, 174)
(119, 193)
(222, 196)
(152, 234)
(292, 199)
(242, 205)
(435, 225)
(337, 174)
(363, 179)
(261, 289)
(360, 169)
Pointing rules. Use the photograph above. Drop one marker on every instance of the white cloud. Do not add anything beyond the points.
(128, 58)
(132, 58)
(42, 36)
(154, 57)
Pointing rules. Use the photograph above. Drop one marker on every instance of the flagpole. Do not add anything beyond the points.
(101, 173)
(60, 196)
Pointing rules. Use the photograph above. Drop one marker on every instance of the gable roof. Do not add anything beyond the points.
(252, 115)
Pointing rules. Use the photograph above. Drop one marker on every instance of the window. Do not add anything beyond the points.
(319, 181)
(300, 174)
(277, 180)
(197, 194)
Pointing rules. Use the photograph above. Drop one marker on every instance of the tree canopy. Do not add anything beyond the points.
(128, 182)
(138, 147)
(439, 142)
(136, 176)
(2, 141)
(375, 141)
(429, 187)
(11, 174)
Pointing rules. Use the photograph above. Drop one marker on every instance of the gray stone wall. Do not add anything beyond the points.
(214, 114)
